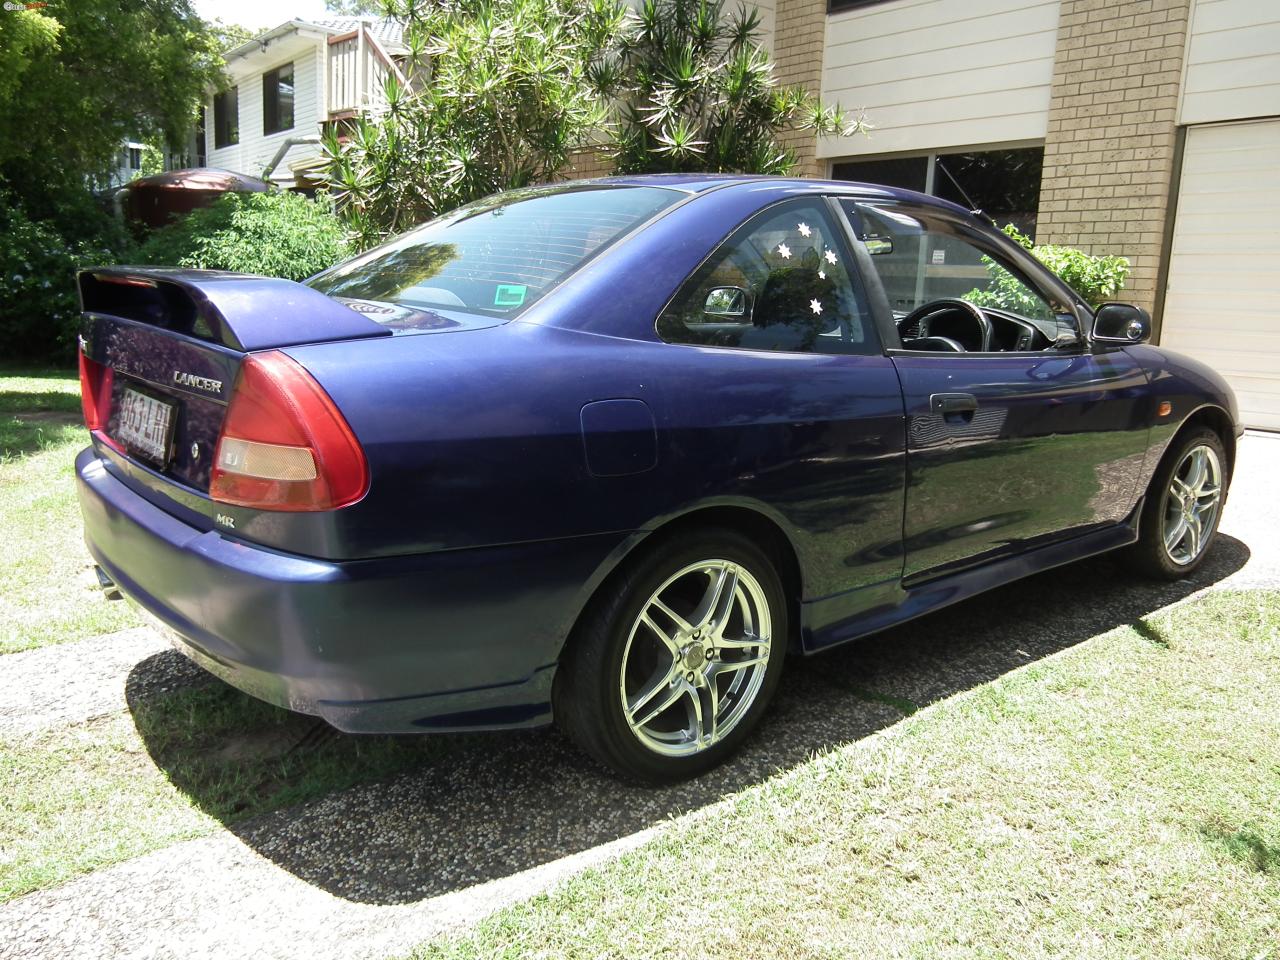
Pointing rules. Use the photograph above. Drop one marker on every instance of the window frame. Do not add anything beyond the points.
(271, 99)
(1008, 254)
(840, 6)
(849, 247)
(226, 128)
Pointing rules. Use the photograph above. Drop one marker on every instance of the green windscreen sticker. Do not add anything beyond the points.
(509, 294)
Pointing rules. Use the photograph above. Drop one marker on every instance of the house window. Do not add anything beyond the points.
(226, 118)
(835, 6)
(277, 99)
(135, 158)
(1003, 184)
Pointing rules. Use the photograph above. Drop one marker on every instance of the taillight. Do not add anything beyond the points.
(284, 445)
(95, 392)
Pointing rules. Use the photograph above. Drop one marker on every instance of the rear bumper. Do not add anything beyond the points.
(462, 639)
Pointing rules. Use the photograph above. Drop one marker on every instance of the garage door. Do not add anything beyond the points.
(1223, 299)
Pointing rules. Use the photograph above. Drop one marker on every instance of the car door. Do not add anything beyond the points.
(1031, 437)
(777, 392)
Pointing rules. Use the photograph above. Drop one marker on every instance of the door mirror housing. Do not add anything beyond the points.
(1121, 323)
(728, 302)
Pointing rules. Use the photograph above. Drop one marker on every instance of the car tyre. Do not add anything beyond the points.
(1183, 507)
(698, 622)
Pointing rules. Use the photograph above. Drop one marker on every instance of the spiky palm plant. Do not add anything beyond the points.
(693, 90)
(499, 92)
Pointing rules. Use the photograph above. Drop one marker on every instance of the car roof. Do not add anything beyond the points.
(694, 183)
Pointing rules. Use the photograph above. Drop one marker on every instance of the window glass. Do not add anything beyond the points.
(919, 260)
(780, 282)
(277, 99)
(496, 256)
(1003, 184)
(226, 118)
(908, 173)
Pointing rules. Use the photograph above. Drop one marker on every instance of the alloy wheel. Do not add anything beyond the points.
(1192, 504)
(695, 658)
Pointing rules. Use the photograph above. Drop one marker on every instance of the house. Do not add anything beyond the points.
(128, 163)
(289, 84)
(1148, 128)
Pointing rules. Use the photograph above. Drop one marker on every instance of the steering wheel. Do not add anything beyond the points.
(926, 312)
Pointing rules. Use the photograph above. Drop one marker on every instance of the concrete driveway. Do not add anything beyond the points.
(375, 869)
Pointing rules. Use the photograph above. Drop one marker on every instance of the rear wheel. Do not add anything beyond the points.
(1183, 507)
(672, 667)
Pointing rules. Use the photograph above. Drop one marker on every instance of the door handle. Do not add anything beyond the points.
(949, 404)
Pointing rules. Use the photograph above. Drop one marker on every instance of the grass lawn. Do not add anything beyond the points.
(48, 593)
(1119, 800)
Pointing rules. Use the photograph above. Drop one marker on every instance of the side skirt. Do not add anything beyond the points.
(827, 622)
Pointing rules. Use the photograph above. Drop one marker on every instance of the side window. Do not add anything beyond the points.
(782, 281)
(920, 260)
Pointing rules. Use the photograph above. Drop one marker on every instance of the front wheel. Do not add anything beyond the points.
(673, 666)
(1184, 504)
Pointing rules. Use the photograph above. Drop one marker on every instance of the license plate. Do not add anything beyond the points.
(145, 425)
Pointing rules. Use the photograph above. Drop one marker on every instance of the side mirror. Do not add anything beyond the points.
(726, 302)
(1121, 323)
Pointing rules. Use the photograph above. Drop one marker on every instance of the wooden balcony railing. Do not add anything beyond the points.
(358, 67)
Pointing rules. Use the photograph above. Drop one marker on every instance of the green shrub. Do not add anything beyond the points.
(273, 234)
(39, 307)
(1096, 278)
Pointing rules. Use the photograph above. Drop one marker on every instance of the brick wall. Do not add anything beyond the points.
(585, 163)
(1109, 151)
(799, 30)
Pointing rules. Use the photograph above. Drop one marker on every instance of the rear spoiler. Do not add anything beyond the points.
(237, 310)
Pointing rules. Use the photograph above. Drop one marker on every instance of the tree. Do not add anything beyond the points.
(91, 73)
(496, 95)
(694, 91)
(78, 78)
(228, 36)
(356, 8)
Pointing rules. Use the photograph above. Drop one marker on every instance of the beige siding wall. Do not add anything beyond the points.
(1233, 61)
(941, 73)
(797, 55)
(1109, 149)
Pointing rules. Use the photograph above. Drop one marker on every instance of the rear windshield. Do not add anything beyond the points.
(494, 257)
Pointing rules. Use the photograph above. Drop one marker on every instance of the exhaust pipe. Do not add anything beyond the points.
(109, 588)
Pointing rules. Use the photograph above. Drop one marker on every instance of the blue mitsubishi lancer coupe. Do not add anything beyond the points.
(603, 453)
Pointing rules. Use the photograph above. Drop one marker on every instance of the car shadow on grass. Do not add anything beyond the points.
(470, 808)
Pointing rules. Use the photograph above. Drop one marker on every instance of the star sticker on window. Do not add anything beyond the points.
(815, 305)
(784, 251)
(804, 229)
(831, 257)
(822, 274)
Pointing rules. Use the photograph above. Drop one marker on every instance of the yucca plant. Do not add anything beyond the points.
(693, 90)
(498, 93)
